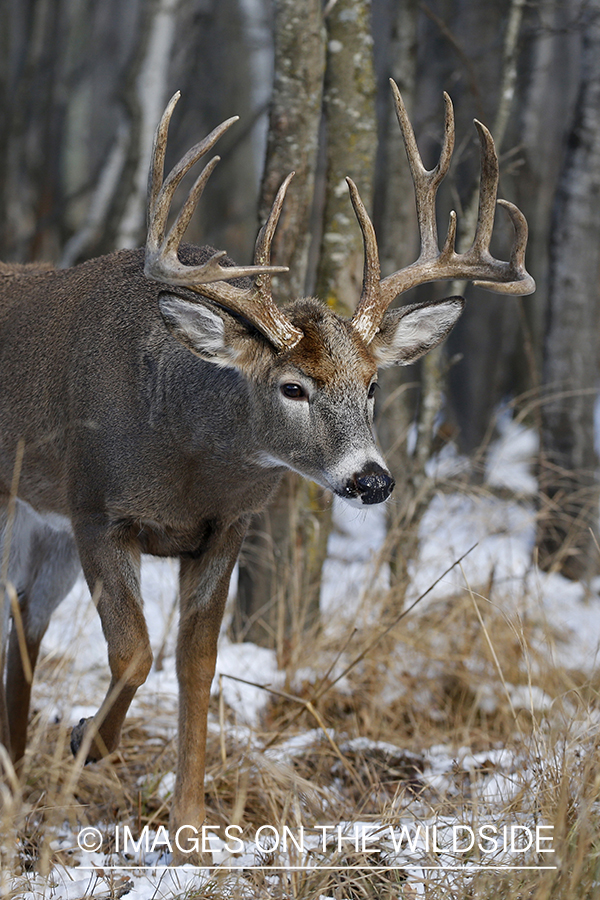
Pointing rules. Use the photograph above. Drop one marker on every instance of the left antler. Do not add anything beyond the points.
(433, 264)
(163, 264)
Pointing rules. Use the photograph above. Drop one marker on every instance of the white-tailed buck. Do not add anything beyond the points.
(150, 401)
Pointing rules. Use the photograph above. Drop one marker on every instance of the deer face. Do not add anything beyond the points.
(310, 372)
(322, 394)
(312, 405)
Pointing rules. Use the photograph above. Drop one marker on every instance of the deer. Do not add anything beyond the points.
(151, 401)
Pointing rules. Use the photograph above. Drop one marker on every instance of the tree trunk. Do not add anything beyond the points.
(283, 553)
(351, 148)
(280, 571)
(568, 480)
(293, 138)
(396, 224)
(32, 85)
(417, 487)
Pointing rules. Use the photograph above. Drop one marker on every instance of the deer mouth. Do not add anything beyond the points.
(373, 484)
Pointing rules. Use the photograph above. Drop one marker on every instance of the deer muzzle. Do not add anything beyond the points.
(373, 484)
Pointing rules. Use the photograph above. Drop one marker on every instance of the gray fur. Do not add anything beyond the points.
(155, 421)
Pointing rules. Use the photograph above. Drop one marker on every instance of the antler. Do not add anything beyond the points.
(477, 264)
(163, 264)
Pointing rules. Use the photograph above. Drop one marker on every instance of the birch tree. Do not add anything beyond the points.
(275, 594)
(282, 560)
(568, 477)
(351, 131)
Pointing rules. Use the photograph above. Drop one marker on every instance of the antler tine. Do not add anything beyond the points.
(488, 188)
(162, 261)
(517, 256)
(370, 298)
(159, 147)
(521, 282)
(373, 303)
(426, 181)
(262, 248)
(163, 200)
(173, 239)
(477, 264)
(160, 194)
(490, 174)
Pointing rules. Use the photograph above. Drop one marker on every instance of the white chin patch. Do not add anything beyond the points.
(353, 501)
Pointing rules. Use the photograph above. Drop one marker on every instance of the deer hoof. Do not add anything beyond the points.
(77, 739)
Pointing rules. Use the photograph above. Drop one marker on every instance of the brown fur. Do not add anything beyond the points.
(144, 446)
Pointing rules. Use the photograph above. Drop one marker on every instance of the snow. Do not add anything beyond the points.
(352, 566)
(509, 462)
(252, 664)
(497, 536)
(454, 525)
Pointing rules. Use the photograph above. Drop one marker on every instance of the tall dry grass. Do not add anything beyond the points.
(442, 678)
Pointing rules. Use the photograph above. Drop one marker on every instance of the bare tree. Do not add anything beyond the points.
(395, 220)
(568, 477)
(351, 130)
(32, 81)
(416, 486)
(274, 568)
(281, 565)
(117, 205)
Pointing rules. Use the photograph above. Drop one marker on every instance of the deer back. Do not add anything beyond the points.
(103, 395)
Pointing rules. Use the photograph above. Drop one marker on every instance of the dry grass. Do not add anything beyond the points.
(445, 677)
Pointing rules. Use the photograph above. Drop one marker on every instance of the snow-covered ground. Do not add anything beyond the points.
(496, 534)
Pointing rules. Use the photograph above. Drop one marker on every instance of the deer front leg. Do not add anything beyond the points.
(204, 583)
(111, 565)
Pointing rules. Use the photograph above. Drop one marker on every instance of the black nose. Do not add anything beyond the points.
(373, 484)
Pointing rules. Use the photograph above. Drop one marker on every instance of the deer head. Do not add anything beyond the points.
(317, 371)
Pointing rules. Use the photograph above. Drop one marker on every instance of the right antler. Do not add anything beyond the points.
(163, 264)
(477, 264)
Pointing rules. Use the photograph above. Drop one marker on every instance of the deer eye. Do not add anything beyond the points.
(294, 391)
(372, 388)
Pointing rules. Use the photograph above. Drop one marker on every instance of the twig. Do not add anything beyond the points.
(395, 622)
(308, 704)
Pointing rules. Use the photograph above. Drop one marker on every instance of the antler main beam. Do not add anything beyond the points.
(256, 304)
(162, 262)
(476, 264)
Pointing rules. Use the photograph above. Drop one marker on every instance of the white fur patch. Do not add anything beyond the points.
(407, 335)
(203, 327)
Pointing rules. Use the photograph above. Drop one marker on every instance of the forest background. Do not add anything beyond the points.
(83, 83)
(493, 689)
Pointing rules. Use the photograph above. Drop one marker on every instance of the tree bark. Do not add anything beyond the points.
(150, 90)
(351, 147)
(568, 480)
(280, 570)
(396, 224)
(293, 137)
(284, 551)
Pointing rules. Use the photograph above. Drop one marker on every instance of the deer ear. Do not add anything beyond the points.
(209, 332)
(408, 333)
(197, 327)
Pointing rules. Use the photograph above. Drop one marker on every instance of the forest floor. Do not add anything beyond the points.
(447, 752)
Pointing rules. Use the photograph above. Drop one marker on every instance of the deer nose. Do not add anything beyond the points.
(373, 484)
